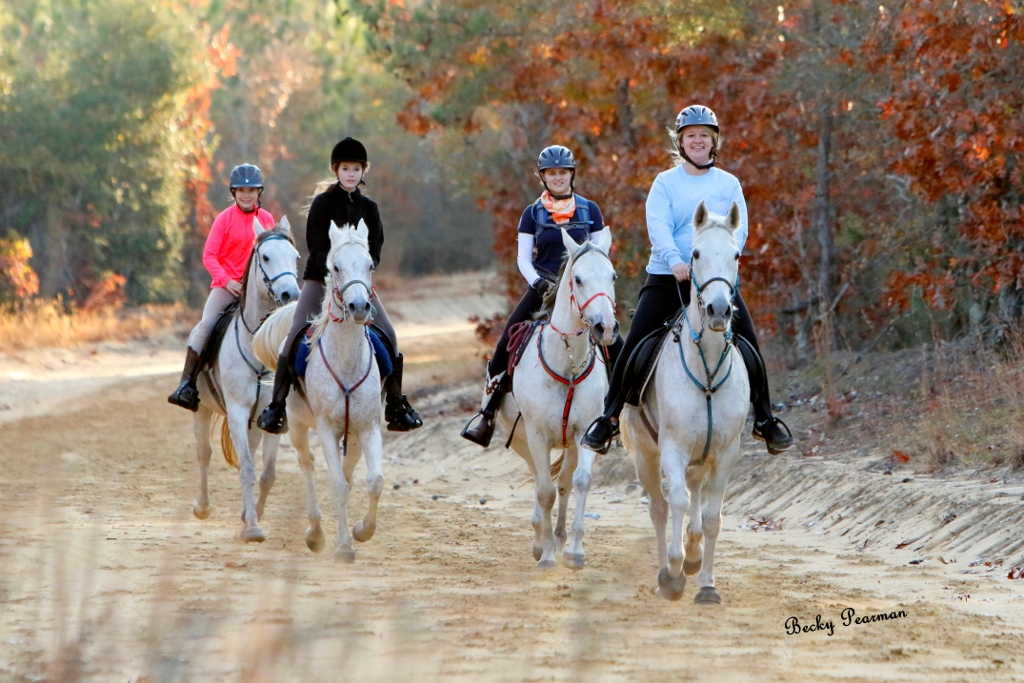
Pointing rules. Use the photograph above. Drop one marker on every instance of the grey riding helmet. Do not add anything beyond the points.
(696, 115)
(556, 156)
(246, 175)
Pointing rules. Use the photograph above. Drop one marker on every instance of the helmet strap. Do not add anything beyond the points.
(693, 163)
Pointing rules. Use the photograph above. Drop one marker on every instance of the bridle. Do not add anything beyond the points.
(336, 294)
(574, 302)
(267, 280)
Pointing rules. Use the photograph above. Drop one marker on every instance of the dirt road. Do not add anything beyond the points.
(106, 576)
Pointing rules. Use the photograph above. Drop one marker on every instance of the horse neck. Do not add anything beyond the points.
(713, 343)
(344, 343)
(258, 301)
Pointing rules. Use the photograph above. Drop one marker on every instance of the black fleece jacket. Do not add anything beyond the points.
(335, 204)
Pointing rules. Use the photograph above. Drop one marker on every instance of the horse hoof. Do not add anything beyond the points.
(253, 534)
(574, 560)
(363, 533)
(315, 539)
(707, 596)
(546, 564)
(671, 588)
(201, 511)
(691, 568)
(345, 555)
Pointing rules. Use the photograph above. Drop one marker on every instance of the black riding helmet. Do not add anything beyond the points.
(349, 149)
(246, 175)
(557, 156)
(698, 115)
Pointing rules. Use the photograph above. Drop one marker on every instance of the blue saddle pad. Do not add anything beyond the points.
(384, 362)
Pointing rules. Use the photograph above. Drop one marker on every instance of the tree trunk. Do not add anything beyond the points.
(823, 223)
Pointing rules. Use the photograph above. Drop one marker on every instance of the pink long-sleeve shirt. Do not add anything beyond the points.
(230, 243)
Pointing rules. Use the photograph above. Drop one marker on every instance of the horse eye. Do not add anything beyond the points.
(266, 258)
(737, 256)
(696, 253)
(335, 269)
(578, 280)
(615, 276)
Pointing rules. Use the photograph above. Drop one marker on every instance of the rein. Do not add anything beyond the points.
(347, 391)
(710, 387)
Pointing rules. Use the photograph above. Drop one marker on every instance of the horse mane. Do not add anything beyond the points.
(319, 323)
(276, 231)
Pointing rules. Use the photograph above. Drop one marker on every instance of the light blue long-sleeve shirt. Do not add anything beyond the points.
(673, 198)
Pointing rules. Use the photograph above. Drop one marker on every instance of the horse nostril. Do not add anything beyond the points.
(599, 328)
(711, 309)
(615, 330)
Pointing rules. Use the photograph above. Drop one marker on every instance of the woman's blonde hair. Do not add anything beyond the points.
(676, 152)
(325, 184)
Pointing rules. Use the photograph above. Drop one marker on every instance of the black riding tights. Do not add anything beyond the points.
(660, 300)
(525, 310)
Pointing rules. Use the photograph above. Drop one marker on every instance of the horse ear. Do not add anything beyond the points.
(734, 217)
(285, 224)
(700, 216)
(604, 240)
(362, 230)
(256, 227)
(334, 232)
(570, 243)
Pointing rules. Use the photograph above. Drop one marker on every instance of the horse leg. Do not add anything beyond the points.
(650, 478)
(245, 443)
(544, 538)
(574, 556)
(712, 520)
(300, 439)
(570, 457)
(201, 428)
(271, 442)
(370, 441)
(694, 530)
(343, 551)
(670, 577)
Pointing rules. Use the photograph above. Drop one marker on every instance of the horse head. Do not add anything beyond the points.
(714, 265)
(275, 255)
(350, 269)
(591, 284)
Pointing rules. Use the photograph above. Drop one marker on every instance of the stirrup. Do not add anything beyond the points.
(483, 431)
(599, 434)
(186, 396)
(402, 417)
(775, 446)
(273, 419)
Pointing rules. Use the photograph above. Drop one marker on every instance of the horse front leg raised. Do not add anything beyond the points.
(299, 436)
(271, 442)
(370, 440)
(543, 535)
(671, 579)
(245, 443)
(574, 556)
(201, 428)
(329, 438)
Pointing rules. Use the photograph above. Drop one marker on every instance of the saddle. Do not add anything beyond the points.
(641, 362)
(518, 335)
(216, 339)
(301, 362)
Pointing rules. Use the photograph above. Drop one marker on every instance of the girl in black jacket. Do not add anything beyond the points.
(341, 202)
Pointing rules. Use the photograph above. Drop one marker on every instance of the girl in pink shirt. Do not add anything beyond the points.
(226, 254)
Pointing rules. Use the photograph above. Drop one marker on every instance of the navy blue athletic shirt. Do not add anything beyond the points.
(548, 248)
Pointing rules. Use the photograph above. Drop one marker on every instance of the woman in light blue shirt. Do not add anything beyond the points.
(673, 198)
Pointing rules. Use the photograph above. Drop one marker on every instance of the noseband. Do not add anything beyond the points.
(336, 294)
(267, 280)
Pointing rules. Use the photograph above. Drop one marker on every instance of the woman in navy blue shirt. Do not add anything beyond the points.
(541, 252)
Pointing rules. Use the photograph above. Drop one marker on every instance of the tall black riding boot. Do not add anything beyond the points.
(186, 395)
(401, 416)
(767, 428)
(481, 434)
(274, 418)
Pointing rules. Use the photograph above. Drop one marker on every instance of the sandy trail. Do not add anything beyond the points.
(105, 575)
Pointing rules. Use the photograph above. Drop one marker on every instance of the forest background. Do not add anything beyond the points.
(879, 145)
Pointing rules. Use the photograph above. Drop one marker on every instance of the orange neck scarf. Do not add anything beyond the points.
(561, 210)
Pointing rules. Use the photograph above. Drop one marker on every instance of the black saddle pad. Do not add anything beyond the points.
(641, 362)
(220, 327)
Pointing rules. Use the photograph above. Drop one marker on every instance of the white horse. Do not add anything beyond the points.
(341, 397)
(233, 385)
(559, 388)
(693, 411)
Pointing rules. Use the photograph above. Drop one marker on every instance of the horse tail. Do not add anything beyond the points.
(556, 466)
(220, 423)
(267, 342)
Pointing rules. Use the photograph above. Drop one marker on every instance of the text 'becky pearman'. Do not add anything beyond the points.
(848, 616)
